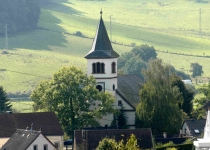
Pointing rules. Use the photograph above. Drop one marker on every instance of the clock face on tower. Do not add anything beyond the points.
(100, 86)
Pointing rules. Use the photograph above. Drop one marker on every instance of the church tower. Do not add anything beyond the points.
(102, 61)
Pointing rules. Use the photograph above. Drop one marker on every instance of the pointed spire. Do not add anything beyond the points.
(101, 47)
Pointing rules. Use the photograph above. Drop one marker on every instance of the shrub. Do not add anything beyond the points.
(78, 33)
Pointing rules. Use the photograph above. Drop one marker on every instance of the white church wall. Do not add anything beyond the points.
(130, 115)
(108, 67)
(126, 106)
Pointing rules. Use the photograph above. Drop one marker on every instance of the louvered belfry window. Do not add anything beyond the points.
(113, 67)
(98, 67)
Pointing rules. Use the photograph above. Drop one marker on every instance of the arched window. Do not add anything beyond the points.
(93, 68)
(113, 67)
(98, 70)
(102, 68)
(98, 67)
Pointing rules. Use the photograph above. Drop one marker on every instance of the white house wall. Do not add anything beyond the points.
(40, 141)
(185, 129)
(3, 141)
(53, 139)
(56, 139)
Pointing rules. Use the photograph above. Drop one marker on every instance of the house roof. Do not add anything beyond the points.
(102, 47)
(22, 139)
(144, 137)
(194, 125)
(128, 88)
(206, 106)
(47, 121)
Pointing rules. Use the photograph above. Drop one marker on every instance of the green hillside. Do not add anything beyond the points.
(171, 26)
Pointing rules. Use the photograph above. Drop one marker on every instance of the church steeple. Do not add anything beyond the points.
(101, 47)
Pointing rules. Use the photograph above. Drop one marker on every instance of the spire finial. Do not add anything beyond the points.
(101, 12)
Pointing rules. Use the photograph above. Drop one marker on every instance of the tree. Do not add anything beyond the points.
(145, 52)
(196, 69)
(74, 98)
(134, 66)
(188, 95)
(111, 144)
(5, 104)
(158, 108)
(136, 60)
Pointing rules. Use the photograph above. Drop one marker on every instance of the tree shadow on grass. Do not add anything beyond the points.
(47, 35)
(59, 6)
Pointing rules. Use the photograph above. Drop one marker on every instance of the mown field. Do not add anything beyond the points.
(172, 26)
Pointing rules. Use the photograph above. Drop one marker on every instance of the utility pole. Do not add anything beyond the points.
(111, 28)
(6, 38)
(200, 25)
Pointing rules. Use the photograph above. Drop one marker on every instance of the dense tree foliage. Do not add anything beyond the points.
(202, 100)
(188, 95)
(111, 144)
(158, 108)
(136, 60)
(74, 98)
(145, 52)
(5, 104)
(196, 69)
(18, 15)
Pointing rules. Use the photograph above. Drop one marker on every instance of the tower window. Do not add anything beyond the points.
(93, 68)
(102, 67)
(98, 67)
(113, 67)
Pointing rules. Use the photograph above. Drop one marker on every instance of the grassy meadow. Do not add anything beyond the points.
(172, 25)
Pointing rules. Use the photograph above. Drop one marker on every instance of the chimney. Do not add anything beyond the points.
(31, 127)
(164, 135)
(180, 133)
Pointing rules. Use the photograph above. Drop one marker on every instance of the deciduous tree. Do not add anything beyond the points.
(196, 69)
(158, 108)
(74, 98)
(188, 95)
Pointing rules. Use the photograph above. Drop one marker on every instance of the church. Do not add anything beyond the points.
(102, 64)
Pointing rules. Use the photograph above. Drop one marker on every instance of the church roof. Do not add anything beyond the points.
(128, 88)
(102, 47)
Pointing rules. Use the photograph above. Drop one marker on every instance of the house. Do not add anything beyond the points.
(28, 140)
(45, 121)
(102, 64)
(204, 143)
(193, 127)
(89, 139)
(205, 107)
